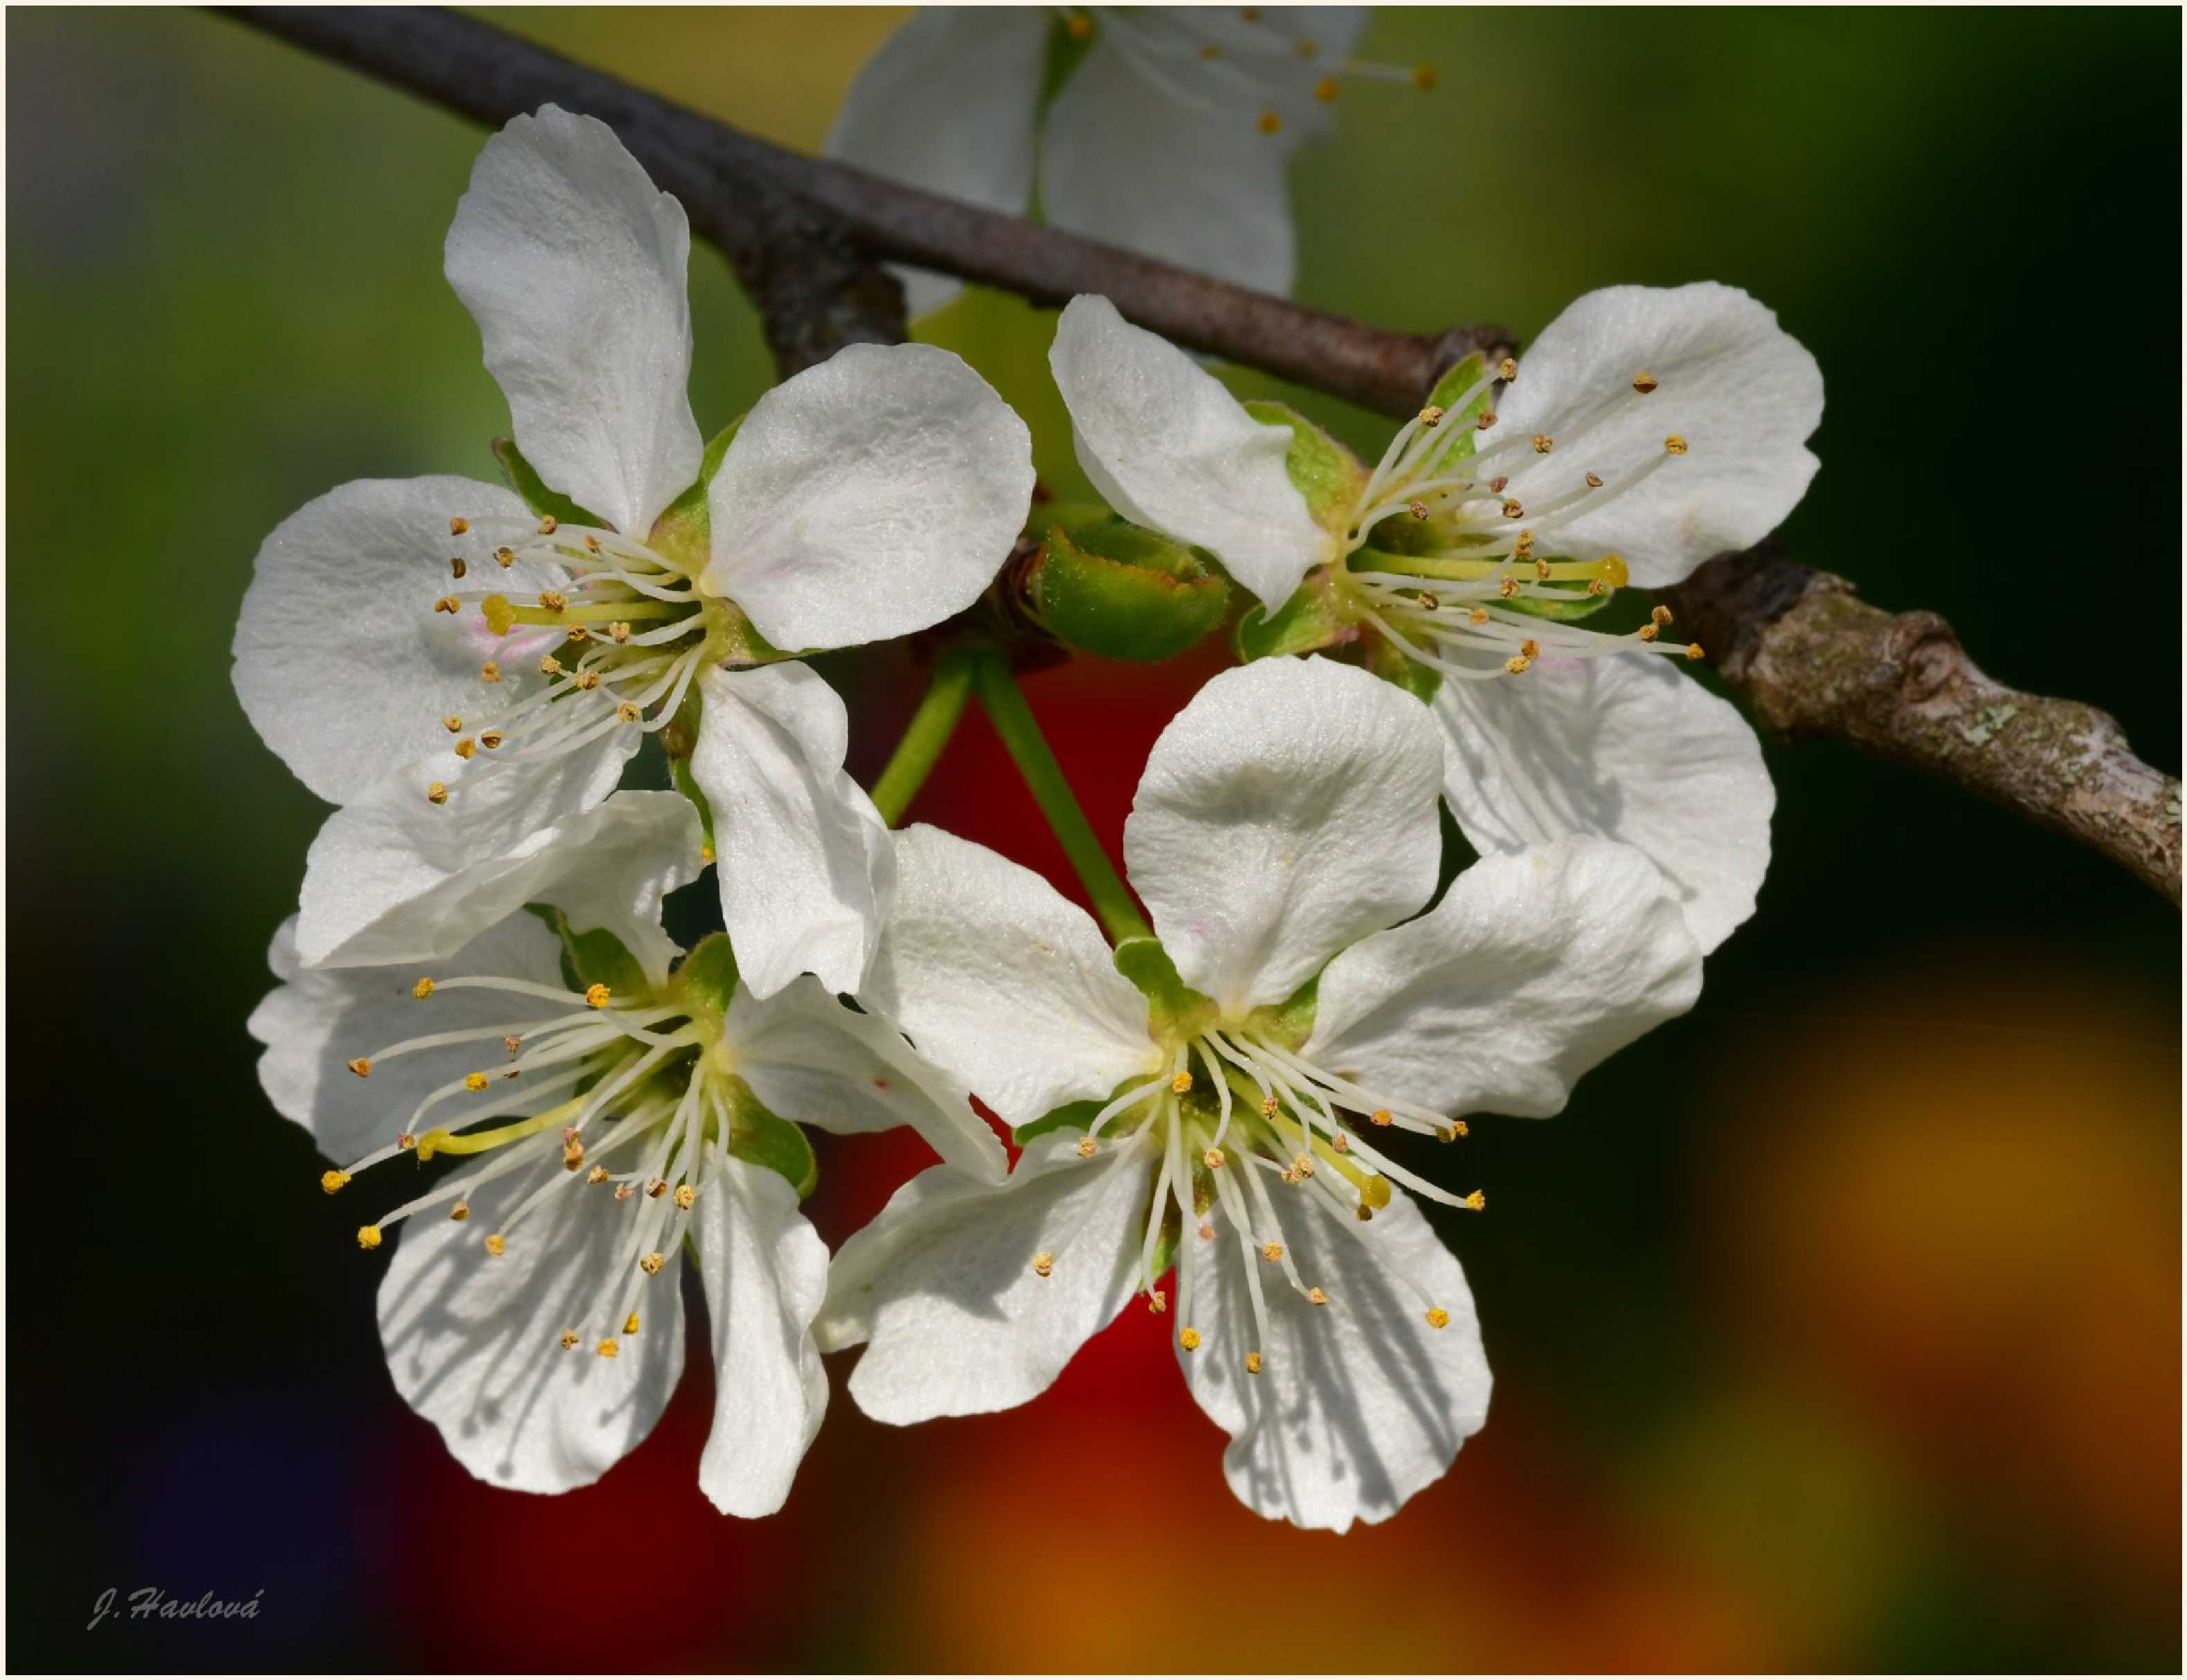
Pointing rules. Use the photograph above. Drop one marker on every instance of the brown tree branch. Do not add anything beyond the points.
(806, 237)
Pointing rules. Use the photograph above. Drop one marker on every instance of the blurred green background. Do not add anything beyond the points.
(1835, 1326)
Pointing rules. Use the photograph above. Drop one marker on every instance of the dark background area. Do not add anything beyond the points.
(1835, 1326)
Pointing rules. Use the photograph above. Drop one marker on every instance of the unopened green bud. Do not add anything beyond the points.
(1121, 592)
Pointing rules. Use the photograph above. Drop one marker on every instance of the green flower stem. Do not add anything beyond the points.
(1029, 750)
(927, 734)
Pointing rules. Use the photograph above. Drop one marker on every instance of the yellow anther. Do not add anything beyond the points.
(1207, 1234)
(1417, 508)
(1188, 1338)
(1516, 664)
(550, 666)
(1542, 571)
(424, 987)
(1270, 1108)
(599, 1175)
(628, 712)
(1594, 586)
(1340, 1143)
(1507, 370)
(1479, 615)
(460, 1212)
(597, 995)
(1437, 1317)
(1080, 26)
(1252, 1364)
(1649, 632)
(1424, 77)
(657, 1189)
(1497, 484)
(1272, 1252)
(1043, 1263)
(588, 680)
(1644, 382)
(367, 1236)
(497, 1244)
(1303, 1165)
(1428, 600)
(553, 600)
(490, 671)
(1325, 90)
(447, 603)
(630, 1325)
(1363, 1213)
(360, 1066)
(1461, 1128)
(1508, 588)
(652, 1263)
(507, 556)
(1544, 443)
(620, 630)
(1271, 123)
(1087, 1147)
(1660, 614)
(333, 1179)
(456, 568)
(1513, 508)
(573, 1156)
(1530, 648)
(1380, 1117)
(491, 738)
(686, 1195)
(607, 1349)
(459, 525)
(406, 1140)
(1214, 1158)
(453, 723)
(1431, 415)
(1158, 1301)
(570, 1339)
(623, 1192)
(1522, 546)
(476, 1082)
(1476, 1201)
(1486, 420)
(1182, 1082)
(1288, 1176)
(1675, 444)
(1594, 480)
(547, 524)
(592, 543)
(465, 748)
(499, 614)
(436, 793)
(511, 1043)
(577, 633)
(1693, 650)
(1317, 1297)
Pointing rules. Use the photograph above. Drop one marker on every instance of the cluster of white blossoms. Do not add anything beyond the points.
(1206, 1103)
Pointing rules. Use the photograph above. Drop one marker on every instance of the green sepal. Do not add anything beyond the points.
(1327, 474)
(707, 980)
(685, 528)
(1393, 664)
(524, 479)
(1290, 1024)
(765, 1138)
(1173, 1004)
(1311, 618)
(595, 957)
(1071, 1117)
(679, 771)
(1121, 592)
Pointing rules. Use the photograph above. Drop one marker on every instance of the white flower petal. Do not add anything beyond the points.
(473, 1340)
(869, 497)
(1744, 394)
(340, 661)
(573, 264)
(1128, 162)
(947, 104)
(1359, 1404)
(809, 1058)
(942, 1284)
(1624, 749)
(765, 1270)
(1170, 448)
(806, 866)
(1536, 965)
(317, 1020)
(1289, 809)
(1003, 981)
(393, 878)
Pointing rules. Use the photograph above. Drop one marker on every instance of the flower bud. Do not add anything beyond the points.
(1121, 592)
